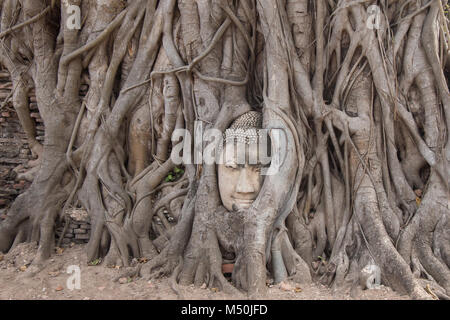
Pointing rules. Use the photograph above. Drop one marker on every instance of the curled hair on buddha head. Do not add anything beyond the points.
(245, 129)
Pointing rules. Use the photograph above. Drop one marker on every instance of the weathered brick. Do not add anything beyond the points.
(85, 226)
(82, 236)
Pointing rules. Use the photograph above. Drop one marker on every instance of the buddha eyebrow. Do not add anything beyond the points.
(235, 165)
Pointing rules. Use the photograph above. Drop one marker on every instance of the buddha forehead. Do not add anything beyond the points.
(241, 153)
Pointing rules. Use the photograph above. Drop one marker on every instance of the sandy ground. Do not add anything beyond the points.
(97, 283)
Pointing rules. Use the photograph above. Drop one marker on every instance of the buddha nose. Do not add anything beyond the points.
(244, 184)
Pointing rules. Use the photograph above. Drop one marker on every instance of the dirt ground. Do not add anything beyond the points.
(97, 283)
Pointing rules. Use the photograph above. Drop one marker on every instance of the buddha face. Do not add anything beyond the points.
(239, 176)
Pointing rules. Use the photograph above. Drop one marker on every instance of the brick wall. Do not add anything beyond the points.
(15, 152)
(79, 229)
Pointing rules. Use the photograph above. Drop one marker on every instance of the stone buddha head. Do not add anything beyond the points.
(239, 171)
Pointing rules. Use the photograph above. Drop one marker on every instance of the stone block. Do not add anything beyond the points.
(85, 236)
